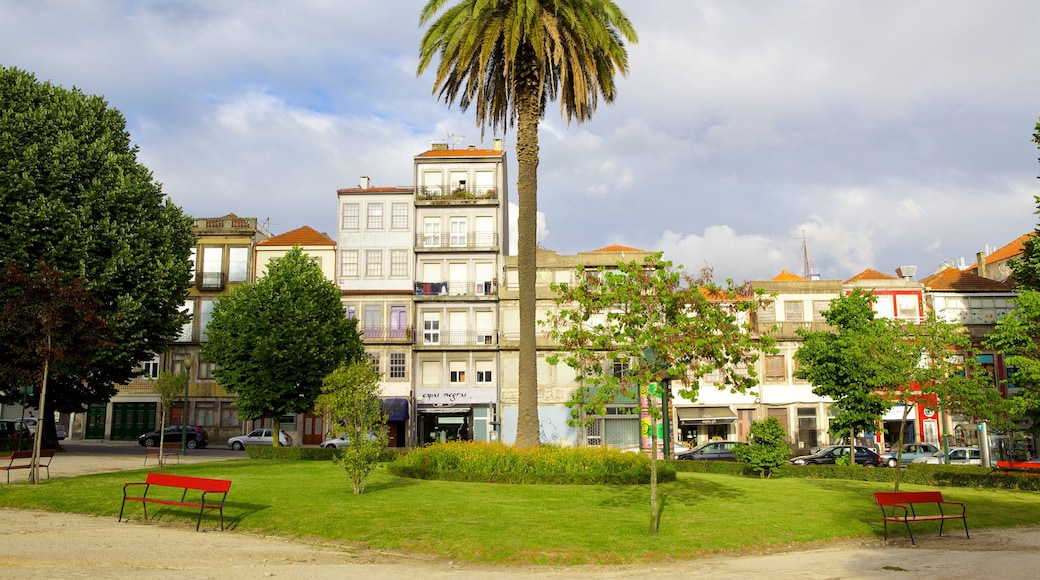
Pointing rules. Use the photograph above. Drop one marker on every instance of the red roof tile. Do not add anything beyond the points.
(388, 189)
(303, 236)
(618, 248)
(462, 153)
(870, 274)
(953, 279)
(1012, 250)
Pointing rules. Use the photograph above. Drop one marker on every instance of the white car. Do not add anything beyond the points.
(258, 437)
(336, 442)
(958, 456)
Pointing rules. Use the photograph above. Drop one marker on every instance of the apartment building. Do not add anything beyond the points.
(222, 260)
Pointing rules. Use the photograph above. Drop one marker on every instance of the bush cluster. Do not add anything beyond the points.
(309, 453)
(500, 463)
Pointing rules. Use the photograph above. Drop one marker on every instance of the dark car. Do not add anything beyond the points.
(11, 429)
(713, 450)
(197, 437)
(829, 456)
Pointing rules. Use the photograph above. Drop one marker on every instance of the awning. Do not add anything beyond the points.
(396, 409)
(705, 415)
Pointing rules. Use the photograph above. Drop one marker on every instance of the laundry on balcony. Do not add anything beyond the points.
(430, 288)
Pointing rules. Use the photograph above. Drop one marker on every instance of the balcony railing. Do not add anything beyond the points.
(788, 328)
(456, 288)
(463, 194)
(461, 338)
(471, 241)
(387, 333)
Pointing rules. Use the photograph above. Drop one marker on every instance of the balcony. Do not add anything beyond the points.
(450, 339)
(789, 329)
(209, 280)
(472, 194)
(456, 289)
(386, 334)
(437, 242)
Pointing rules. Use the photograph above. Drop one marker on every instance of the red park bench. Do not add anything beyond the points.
(23, 460)
(901, 509)
(181, 482)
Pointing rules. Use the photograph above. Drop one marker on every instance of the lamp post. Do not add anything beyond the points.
(184, 414)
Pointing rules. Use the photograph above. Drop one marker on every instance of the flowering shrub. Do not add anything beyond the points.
(500, 463)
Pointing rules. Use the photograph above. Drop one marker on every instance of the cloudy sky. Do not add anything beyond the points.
(881, 133)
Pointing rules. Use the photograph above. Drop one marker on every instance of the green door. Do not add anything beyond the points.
(129, 420)
(96, 422)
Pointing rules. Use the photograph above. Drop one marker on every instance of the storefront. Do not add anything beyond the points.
(465, 414)
(701, 424)
(396, 410)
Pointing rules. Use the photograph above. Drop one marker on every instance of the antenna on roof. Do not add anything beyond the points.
(456, 138)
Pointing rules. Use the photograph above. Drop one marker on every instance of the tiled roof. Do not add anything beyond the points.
(1012, 250)
(953, 279)
(462, 153)
(870, 274)
(618, 248)
(303, 236)
(784, 275)
(388, 189)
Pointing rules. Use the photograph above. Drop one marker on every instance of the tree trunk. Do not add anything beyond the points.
(655, 514)
(34, 465)
(276, 431)
(529, 113)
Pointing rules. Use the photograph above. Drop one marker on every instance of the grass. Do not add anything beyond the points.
(541, 524)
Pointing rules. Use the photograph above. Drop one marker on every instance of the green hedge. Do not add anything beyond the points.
(499, 463)
(309, 453)
(931, 475)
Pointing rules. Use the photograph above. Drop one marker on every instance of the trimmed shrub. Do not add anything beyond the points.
(310, 453)
(500, 463)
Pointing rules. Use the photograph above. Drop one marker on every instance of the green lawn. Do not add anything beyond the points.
(561, 524)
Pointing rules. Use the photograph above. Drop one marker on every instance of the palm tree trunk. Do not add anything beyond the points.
(529, 113)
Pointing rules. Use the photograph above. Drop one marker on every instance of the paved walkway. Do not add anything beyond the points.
(47, 545)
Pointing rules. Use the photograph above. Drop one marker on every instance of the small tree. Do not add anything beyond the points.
(168, 385)
(767, 447)
(350, 397)
(274, 341)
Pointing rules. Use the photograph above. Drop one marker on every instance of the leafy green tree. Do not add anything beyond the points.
(1017, 335)
(767, 448)
(1026, 270)
(509, 58)
(668, 324)
(350, 397)
(73, 196)
(275, 340)
(53, 326)
(842, 364)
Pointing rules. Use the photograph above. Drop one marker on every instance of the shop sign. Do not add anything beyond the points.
(448, 396)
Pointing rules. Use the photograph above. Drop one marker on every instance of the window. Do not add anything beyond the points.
(348, 263)
(484, 375)
(373, 321)
(373, 263)
(186, 331)
(431, 232)
(228, 414)
(767, 314)
(205, 370)
(398, 322)
(150, 368)
(776, 370)
(807, 428)
(205, 413)
(620, 370)
(431, 329)
(399, 216)
(212, 263)
(350, 216)
(205, 315)
(794, 311)
(457, 227)
(818, 308)
(907, 306)
(397, 365)
(399, 263)
(238, 264)
(351, 310)
(373, 361)
(194, 259)
(457, 372)
(375, 216)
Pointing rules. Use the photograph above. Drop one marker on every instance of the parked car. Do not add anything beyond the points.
(829, 456)
(713, 450)
(911, 451)
(958, 456)
(11, 429)
(258, 437)
(60, 429)
(677, 448)
(197, 437)
(30, 424)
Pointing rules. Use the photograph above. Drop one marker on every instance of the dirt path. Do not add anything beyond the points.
(46, 545)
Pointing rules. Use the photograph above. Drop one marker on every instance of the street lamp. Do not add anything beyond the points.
(184, 414)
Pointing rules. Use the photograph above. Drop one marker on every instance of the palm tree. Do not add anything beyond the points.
(508, 58)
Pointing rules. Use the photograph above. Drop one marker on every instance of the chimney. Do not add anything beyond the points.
(981, 260)
(906, 272)
(438, 147)
(472, 147)
(498, 145)
(365, 182)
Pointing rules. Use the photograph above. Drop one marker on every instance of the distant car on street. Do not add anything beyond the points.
(196, 438)
(712, 450)
(258, 437)
(958, 456)
(13, 429)
(911, 451)
(829, 456)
